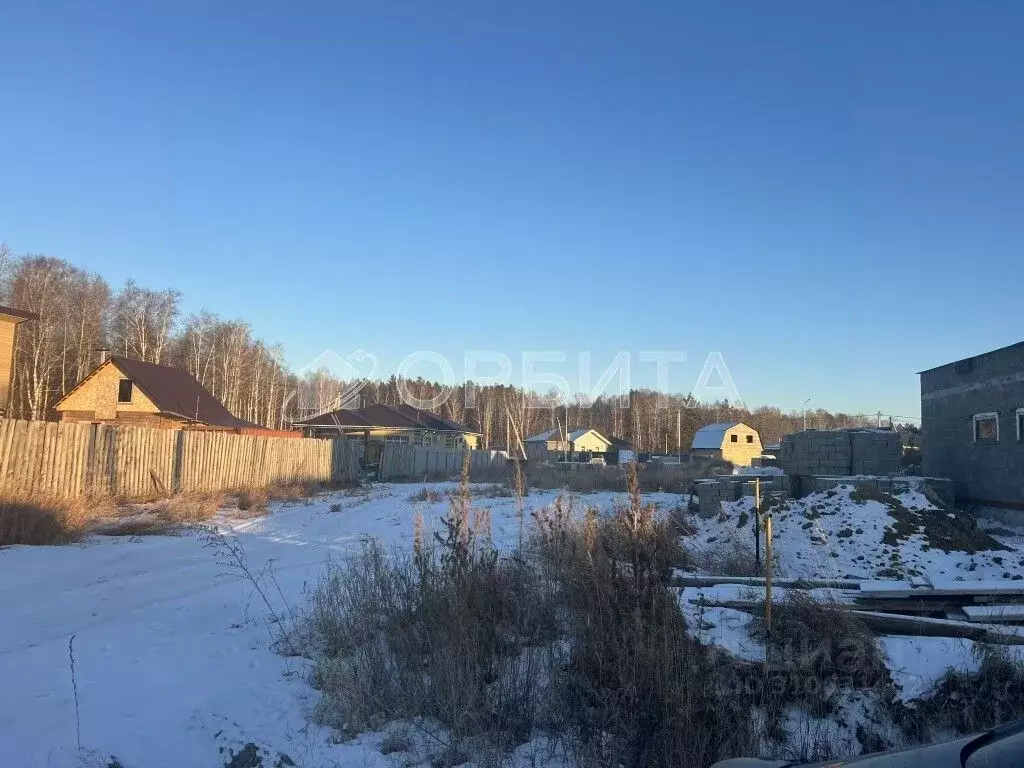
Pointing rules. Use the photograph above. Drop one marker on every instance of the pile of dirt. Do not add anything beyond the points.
(945, 530)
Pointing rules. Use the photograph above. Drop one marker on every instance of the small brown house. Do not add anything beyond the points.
(123, 391)
(10, 319)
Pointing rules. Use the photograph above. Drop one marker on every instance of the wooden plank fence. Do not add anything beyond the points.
(68, 459)
(402, 461)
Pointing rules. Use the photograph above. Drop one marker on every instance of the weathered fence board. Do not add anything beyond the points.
(68, 459)
(402, 461)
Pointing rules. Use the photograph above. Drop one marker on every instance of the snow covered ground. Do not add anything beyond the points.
(829, 535)
(172, 648)
(173, 652)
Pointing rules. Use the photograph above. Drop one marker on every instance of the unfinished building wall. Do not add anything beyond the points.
(843, 452)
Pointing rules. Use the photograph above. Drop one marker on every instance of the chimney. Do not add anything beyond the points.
(104, 354)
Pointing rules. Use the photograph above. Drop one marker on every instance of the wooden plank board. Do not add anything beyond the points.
(758, 581)
(896, 624)
(997, 613)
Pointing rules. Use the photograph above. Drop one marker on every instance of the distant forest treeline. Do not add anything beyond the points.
(79, 313)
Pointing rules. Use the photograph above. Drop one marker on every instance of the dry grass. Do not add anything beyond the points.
(428, 495)
(575, 634)
(816, 649)
(253, 501)
(298, 490)
(728, 558)
(189, 508)
(143, 524)
(968, 702)
(161, 518)
(38, 519)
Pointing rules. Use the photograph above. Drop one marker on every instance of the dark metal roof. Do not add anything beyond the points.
(21, 314)
(177, 393)
(622, 445)
(339, 418)
(379, 416)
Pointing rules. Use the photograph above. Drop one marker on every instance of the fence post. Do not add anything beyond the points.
(177, 460)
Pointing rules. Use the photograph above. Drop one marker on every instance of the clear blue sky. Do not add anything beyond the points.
(830, 194)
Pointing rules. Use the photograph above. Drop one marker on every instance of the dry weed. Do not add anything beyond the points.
(38, 519)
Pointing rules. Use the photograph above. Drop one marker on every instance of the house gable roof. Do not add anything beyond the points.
(379, 416)
(543, 437)
(19, 315)
(574, 435)
(173, 391)
(713, 435)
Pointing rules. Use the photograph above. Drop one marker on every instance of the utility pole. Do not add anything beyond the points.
(809, 398)
(566, 443)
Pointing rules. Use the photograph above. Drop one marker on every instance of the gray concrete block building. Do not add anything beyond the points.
(972, 425)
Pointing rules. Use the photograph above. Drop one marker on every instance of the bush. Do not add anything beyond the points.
(815, 650)
(296, 490)
(165, 517)
(968, 702)
(729, 558)
(443, 632)
(428, 495)
(38, 519)
(575, 633)
(188, 508)
(253, 500)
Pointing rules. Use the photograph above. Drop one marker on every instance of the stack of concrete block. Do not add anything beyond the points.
(875, 452)
(709, 495)
(843, 452)
(763, 461)
(815, 452)
(779, 484)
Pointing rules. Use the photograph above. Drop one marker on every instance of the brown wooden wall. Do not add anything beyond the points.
(70, 459)
(7, 331)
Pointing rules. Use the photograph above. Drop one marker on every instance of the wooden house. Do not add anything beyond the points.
(10, 319)
(124, 391)
(732, 441)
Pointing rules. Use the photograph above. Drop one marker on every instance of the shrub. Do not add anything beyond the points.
(968, 702)
(296, 490)
(429, 495)
(815, 650)
(439, 633)
(637, 689)
(38, 519)
(574, 633)
(189, 508)
(728, 558)
(253, 500)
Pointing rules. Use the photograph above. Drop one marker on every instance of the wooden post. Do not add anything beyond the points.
(757, 523)
(768, 578)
